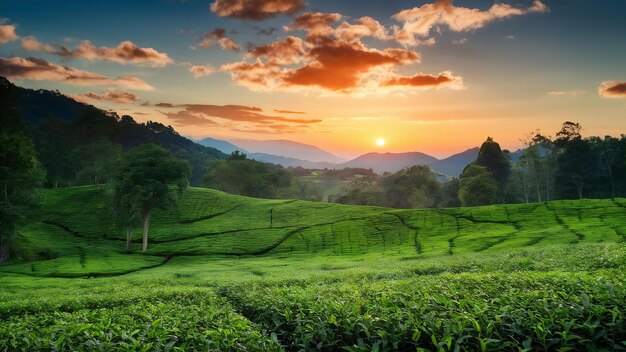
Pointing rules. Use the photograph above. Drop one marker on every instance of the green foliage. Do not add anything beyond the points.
(413, 187)
(143, 183)
(477, 186)
(241, 176)
(493, 159)
(235, 273)
(20, 172)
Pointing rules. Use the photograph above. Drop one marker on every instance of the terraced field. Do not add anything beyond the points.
(233, 273)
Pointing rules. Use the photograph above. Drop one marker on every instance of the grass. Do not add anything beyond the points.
(226, 272)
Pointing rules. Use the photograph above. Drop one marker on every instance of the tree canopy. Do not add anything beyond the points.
(144, 182)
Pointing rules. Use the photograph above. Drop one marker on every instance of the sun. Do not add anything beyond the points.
(380, 142)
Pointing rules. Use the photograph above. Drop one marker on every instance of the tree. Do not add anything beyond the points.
(20, 172)
(477, 186)
(97, 161)
(493, 159)
(246, 177)
(144, 182)
(414, 187)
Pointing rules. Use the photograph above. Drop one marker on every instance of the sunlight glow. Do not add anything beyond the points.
(380, 142)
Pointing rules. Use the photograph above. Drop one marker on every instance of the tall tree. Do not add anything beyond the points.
(145, 180)
(493, 159)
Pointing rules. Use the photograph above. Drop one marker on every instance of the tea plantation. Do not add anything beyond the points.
(231, 273)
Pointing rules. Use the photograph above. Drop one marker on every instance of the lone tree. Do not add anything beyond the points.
(20, 172)
(145, 181)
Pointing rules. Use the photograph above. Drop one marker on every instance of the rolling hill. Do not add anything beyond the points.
(232, 273)
(71, 235)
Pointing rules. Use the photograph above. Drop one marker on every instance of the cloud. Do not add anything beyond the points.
(201, 71)
(41, 70)
(426, 81)
(31, 43)
(317, 25)
(265, 31)
(612, 89)
(186, 118)
(291, 50)
(218, 36)
(235, 117)
(255, 9)
(7, 33)
(125, 52)
(419, 21)
(338, 66)
(565, 93)
(365, 27)
(288, 112)
(115, 96)
(331, 59)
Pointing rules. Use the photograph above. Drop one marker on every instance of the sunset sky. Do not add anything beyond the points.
(431, 76)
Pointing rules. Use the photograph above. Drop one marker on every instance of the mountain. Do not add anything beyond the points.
(389, 162)
(223, 146)
(290, 162)
(289, 149)
(454, 164)
(393, 162)
(60, 125)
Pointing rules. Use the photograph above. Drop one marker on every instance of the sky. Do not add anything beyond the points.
(433, 76)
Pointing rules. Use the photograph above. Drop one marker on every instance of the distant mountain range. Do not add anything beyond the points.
(293, 154)
(223, 146)
(288, 149)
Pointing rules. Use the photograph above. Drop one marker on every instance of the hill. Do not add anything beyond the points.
(454, 164)
(59, 125)
(222, 146)
(288, 149)
(389, 162)
(234, 273)
(71, 235)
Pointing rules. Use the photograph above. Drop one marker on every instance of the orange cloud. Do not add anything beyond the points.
(115, 96)
(612, 89)
(201, 71)
(218, 36)
(425, 81)
(125, 52)
(418, 21)
(42, 70)
(7, 33)
(338, 66)
(186, 118)
(255, 9)
(365, 27)
(291, 50)
(288, 112)
(332, 59)
(317, 25)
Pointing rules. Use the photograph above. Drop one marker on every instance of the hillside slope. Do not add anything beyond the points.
(71, 233)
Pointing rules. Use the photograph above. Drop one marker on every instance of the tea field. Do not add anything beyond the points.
(230, 273)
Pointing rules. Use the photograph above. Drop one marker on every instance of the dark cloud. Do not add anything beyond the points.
(612, 89)
(116, 96)
(125, 52)
(42, 70)
(219, 36)
(255, 9)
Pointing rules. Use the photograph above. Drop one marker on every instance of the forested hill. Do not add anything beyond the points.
(63, 129)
